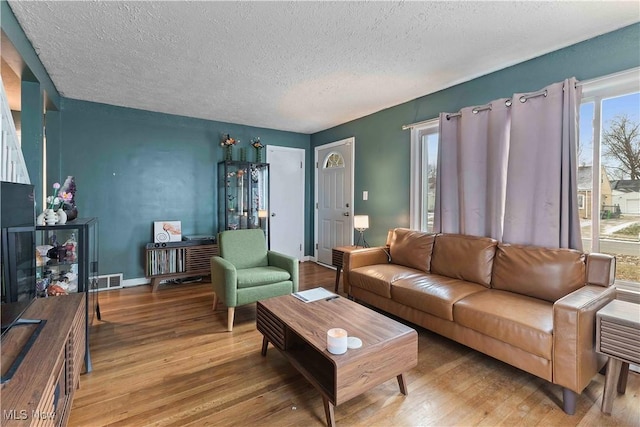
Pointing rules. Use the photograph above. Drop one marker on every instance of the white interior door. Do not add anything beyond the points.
(334, 197)
(286, 197)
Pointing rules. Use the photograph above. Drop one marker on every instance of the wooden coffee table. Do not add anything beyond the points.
(299, 331)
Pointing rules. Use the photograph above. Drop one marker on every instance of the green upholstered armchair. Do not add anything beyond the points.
(246, 272)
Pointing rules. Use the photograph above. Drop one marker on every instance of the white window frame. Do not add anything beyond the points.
(596, 90)
(418, 159)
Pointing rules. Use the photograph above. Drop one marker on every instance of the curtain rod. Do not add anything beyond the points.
(476, 110)
(631, 73)
(507, 103)
(412, 125)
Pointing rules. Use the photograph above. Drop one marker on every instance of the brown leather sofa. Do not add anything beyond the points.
(531, 307)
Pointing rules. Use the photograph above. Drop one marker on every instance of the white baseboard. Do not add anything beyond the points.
(127, 283)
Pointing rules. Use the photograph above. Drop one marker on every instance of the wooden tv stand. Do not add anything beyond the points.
(40, 391)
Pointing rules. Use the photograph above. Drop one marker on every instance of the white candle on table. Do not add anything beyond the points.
(337, 341)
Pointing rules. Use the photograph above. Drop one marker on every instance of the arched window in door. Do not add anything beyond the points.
(334, 160)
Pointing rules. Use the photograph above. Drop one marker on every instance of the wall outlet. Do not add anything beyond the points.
(365, 195)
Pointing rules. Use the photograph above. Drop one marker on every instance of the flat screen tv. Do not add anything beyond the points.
(17, 250)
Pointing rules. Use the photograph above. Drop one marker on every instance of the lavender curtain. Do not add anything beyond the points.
(509, 172)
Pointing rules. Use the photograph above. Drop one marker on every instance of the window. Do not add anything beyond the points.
(424, 155)
(608, 179)
(334, 160)
(609, 172)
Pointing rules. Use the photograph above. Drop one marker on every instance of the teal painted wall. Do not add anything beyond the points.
(54, 144)
(134, 167)
(31, 119)
(382, 164)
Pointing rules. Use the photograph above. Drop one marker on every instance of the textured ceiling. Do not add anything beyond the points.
(298, 66)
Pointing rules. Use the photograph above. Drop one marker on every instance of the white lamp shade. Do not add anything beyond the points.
(361, 222)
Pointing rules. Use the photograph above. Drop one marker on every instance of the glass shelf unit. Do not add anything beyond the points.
(67, 255)
(243, 196)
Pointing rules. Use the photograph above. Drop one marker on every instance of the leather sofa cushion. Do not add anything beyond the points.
(464, 257)
(258, 276)
(411, 248)
(379, 277)
(548, 274)
(521, 321)
(432, 293)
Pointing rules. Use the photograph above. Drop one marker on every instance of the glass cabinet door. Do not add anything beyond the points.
(243, 196)
(67, 262)
(67, 255)
(259, 213)
(58, 260)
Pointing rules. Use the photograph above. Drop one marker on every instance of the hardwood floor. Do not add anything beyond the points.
(165, 359)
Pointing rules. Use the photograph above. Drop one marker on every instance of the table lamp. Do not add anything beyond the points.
(361, 223)
(262, 216)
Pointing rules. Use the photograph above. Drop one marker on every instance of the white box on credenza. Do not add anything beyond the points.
(167, 231)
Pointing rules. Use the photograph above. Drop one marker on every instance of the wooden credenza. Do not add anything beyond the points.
(164, 261)
(40, 391)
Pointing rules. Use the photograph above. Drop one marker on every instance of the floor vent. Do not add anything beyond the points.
(109, 281)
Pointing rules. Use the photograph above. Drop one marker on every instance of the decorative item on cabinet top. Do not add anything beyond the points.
(257, 145)
(60, 206)
(167, 231)
(69, 206)
(228, 142)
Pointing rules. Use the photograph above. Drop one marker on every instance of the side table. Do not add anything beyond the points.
(618, 337)
(337, 255)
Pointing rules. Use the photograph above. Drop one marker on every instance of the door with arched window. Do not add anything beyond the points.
(334, 197)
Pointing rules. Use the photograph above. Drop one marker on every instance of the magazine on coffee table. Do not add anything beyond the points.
(314, 294)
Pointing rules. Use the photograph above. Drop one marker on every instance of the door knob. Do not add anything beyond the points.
(273, 214)
(346, 214)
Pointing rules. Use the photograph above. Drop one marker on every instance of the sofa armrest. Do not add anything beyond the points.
(601, 269)
(285, 262)
(224, 280)
(362, 258)
(575, 360)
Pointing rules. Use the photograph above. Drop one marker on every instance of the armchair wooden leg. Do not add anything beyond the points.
(231, 311)
(215, 301)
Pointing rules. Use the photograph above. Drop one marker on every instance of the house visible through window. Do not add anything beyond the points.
(609, 172)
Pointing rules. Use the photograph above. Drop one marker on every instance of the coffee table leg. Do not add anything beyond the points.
(328, 411)
(403, 385)
(265, 344)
